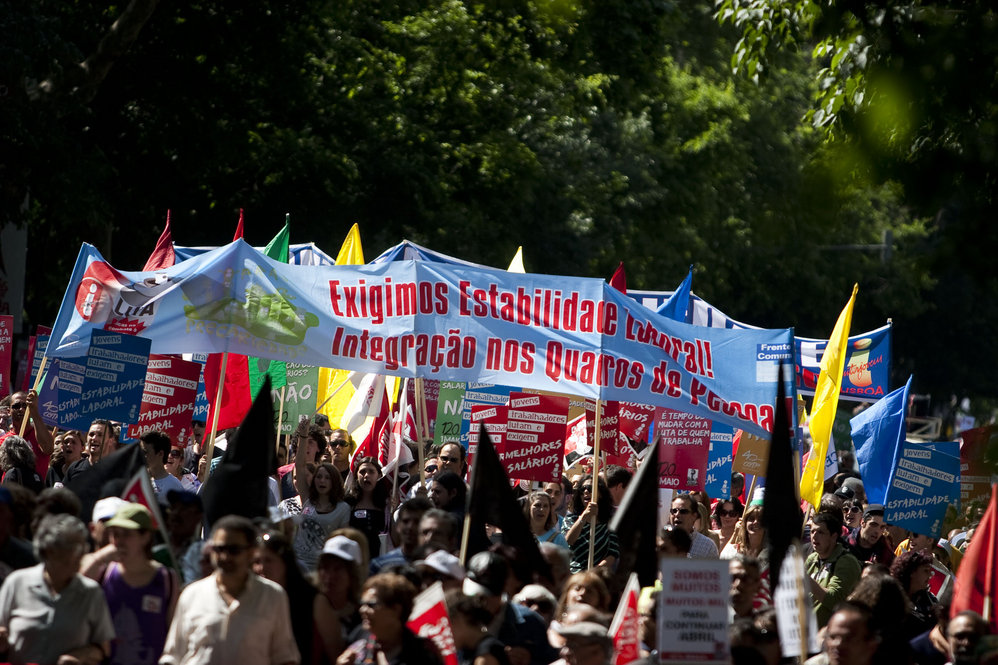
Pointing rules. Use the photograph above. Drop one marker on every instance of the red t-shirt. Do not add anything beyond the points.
(41, 459)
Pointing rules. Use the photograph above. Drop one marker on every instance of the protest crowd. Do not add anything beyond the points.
(331, 573)
(508, 536)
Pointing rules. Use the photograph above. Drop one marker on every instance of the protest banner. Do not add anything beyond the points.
(752, 455)
(493, 417)
(168, 399)
(108, 384)
(978, 463)
(718, 479)
(429, 619)
(684, 447)
(6, 353)
(693, 611)
(535, 437)
(411, 318)
(37, 354)
(577, 446)
(792, 602)
(450, 409)
(626, 624)
(299, 396)
(480, 394)
(48, 393)
(923, 483)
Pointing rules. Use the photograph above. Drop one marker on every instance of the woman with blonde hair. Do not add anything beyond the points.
(585, 588)
(750, 539)
(543, 520)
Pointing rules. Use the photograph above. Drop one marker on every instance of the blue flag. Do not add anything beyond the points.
(878, 434)
(677, 307)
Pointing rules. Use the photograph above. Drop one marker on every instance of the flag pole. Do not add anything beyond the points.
(802, 615)
(420, 429)
(595, 494)
(280, 419)
(38, 382)
(214, 415)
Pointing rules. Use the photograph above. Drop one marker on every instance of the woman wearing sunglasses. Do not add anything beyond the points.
(726, 515)
(852, 513)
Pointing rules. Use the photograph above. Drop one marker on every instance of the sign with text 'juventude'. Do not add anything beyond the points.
(535, 436)
(693, 611)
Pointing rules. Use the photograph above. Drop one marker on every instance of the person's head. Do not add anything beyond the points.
(852, 513)
(858, 490)
(737, 485)
(964, 633)
(617, 480)
(439, 527)
(745, 583)
(684, 512)
(327, 483)
(447, 491)
(913, 569)
(337, 571)
(197, 431)
(315, 444)
(871, 529)
(431, 465)
(18, 409)
(727, 512)
(340, 446)
(451, 458)
(886, 599)
(647, 615)
(410, 514)
(156, 445)
(539, 599)
(104, 509)
(59, 544)
(54, 501)
(583, 495)
(72, 446)
(674, 541)
(98, 438)
(921, 542)
(274, 558)
(366, 474)
(183, 515)
(232, 540)
(850, 636)
(587, 588)
(385, 604)
(540, 506)
(468, 618)
(15, 452)
(130, 532)
(557, 493)
(586, 643)
(440, 566)
(558, 560)
(175, 462)
(825, 531)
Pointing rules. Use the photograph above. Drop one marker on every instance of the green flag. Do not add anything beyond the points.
(260, 368)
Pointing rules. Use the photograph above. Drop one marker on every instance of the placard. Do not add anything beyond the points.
(112, 381)
(923, 482)
(168, 399)
(693, 611)
(752, 455)
(718, 480)
(683, 450)
(450, 407)
(535, 437)
(6, 353)
(299, 396)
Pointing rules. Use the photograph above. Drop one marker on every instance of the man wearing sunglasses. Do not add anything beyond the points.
(232, 616)
(867, 542)
(25, 405)
(340, 446)
(684, 515)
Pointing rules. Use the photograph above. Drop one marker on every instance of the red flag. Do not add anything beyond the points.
(239, 227)
(236, 399)
(619, 279)
(626, 624)
(139, 490)
(162, 255)
(429, 619)
(975, 580)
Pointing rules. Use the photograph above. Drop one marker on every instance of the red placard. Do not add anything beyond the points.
(6, 350)
(429, 619)
(535, 437)
(684, 449)
(168, 399)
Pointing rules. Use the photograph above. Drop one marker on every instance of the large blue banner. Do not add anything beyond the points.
(433, 320)
(866, 377)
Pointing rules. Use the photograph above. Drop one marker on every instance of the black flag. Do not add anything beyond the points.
(239, 485)
(636, 523)
(106, 478)
(781, 513)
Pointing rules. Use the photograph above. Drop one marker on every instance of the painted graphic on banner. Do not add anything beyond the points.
(410, 318)
(6, 353)
(922, 485)
(168, 399)
(112, 382)
(450, 410)
(535, 437)
(683, 450)
(693, 611)
(718, 480)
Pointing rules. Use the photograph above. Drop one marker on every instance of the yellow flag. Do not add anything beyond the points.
(351, 254)
(516, 265)
(826, 401)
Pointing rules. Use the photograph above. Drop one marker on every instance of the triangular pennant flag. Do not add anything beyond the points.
(826, 402)
(619, 279)
(878, 434)
(162, 255)
(636, 524)
(678, 306)
(516, 265)
(351, 252)
(239, 227)
(429, 619)
(240, 483)
(781, 513)
(626, 624)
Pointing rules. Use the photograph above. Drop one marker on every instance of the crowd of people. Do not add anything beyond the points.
(331, 574)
